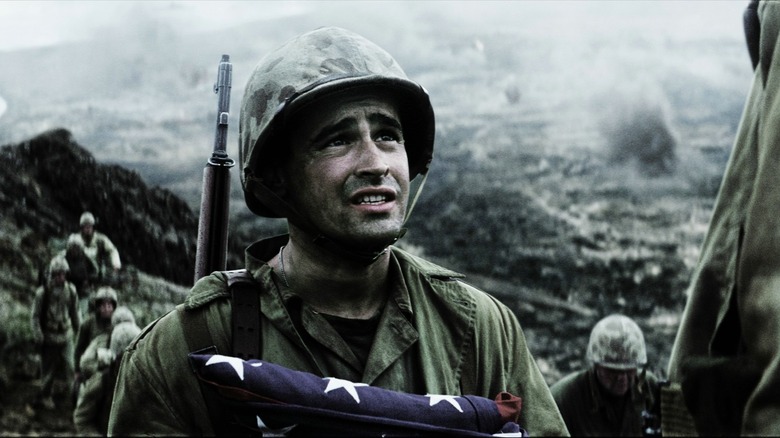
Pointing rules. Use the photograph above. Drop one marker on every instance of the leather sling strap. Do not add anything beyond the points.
(198, 337)
(245, 319)
(246, 337)
(246, 314)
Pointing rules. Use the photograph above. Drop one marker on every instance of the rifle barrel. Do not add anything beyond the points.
(211, 252)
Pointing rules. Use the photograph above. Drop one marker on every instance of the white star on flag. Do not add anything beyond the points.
(435, 399)
(235, 362)
(334, 383)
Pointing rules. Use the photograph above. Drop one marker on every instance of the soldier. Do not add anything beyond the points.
(55, 319)
(99, 250)
(335, 297)
(607, 398)
(725, 363)
(82, 271)
(100, 366)
(95, 357)
(104, 303)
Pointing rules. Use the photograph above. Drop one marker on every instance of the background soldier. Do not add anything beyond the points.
(97, 355)
(55, 319)
(607, 398)
(99, 250)
(82, 271)
(725, 363)
(104, 303)
(100, 366)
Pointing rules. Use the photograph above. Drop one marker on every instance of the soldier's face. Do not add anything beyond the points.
(87, 230)
(58, 277)
(105, 309)
(615, 382)
(348, 171)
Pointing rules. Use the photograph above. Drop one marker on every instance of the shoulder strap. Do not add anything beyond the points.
(44, 315)
(246, 338)
(245, 319)
(246, 314)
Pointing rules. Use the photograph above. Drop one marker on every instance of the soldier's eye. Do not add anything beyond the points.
(335, 143)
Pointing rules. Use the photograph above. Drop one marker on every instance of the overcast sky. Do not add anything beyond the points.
(39, 23)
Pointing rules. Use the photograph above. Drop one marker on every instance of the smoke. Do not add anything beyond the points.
(637, 129)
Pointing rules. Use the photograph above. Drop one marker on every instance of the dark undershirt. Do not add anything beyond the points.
(357, 333)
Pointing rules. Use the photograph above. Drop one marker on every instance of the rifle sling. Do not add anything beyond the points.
(245, 314)
(245, 317)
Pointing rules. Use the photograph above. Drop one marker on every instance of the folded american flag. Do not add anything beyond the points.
(260, 396)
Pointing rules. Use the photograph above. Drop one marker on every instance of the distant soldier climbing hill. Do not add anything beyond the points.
(82, 270)
(104, 302)
(98, 249)
(55, 319)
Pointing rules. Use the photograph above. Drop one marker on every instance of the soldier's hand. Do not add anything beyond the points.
(105, 356)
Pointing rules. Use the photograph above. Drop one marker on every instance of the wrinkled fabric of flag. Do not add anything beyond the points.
(256, 396)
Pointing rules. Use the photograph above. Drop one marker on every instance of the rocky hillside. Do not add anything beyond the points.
(50, 180)
(47, 182)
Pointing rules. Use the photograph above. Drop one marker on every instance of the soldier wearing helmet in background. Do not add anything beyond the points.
(99, 365)
(82, 271)
(607, 398)
(95, 356)
(98, 249)
(332, 133)
(104, 302)
(55, 319)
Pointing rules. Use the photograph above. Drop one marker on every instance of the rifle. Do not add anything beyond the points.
(651, 415)
(211, 254)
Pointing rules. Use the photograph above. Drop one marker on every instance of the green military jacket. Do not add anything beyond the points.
(90, 329)
(726, 356)
(90, 415)
(91, 362)
(55, 316)
(100, 251)
(588, 411)
(436, 335)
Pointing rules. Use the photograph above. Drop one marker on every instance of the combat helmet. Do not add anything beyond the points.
(122, 314)
(121, 336)
(312, 66)
(75, 241)
(86, 218)
(617, 342)
(105, 293)
(58, 264)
